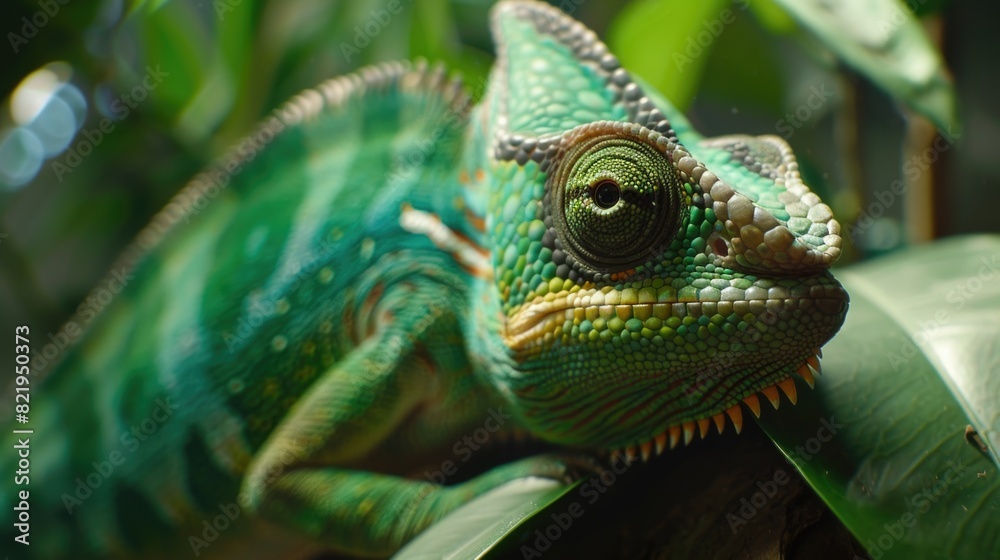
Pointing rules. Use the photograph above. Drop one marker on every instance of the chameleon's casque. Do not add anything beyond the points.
(398, 269)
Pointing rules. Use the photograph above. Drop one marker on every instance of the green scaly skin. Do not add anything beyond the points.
(312, 333)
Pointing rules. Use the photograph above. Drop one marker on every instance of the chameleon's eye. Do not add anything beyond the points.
(615, 201)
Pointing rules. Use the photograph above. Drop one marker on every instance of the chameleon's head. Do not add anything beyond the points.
(648, 280)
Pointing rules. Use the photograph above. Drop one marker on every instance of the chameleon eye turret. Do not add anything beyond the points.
(614, 198)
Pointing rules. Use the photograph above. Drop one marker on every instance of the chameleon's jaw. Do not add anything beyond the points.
(662, 360)
(642, 439)
(672, 436)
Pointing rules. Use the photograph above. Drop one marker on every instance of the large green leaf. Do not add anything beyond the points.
(884, 41)
(475, 528)
(916, 363)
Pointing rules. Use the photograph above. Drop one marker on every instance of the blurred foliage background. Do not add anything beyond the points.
(854, 97)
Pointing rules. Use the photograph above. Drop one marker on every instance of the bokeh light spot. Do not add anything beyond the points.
(21, 156)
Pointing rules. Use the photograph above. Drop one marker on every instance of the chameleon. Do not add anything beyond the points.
(384, 268)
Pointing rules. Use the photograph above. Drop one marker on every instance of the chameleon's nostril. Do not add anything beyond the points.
(721, 249)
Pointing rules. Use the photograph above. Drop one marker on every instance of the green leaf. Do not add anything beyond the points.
(883, 40)
(674, 66)
(135, 6)
(435, 35)
(173, 40)
(477, 527)
(915, 363)
(773, 17)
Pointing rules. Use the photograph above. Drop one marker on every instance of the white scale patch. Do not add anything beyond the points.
(325, 275)
(279, 343)
(367, 248)
(463, 251)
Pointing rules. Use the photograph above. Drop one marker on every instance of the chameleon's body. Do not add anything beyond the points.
(391, 267)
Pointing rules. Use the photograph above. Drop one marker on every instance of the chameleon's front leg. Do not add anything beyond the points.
(299, 480)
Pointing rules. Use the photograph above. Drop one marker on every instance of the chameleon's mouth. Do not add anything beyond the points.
(672, 436)
(662, 366)
(561, 315)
